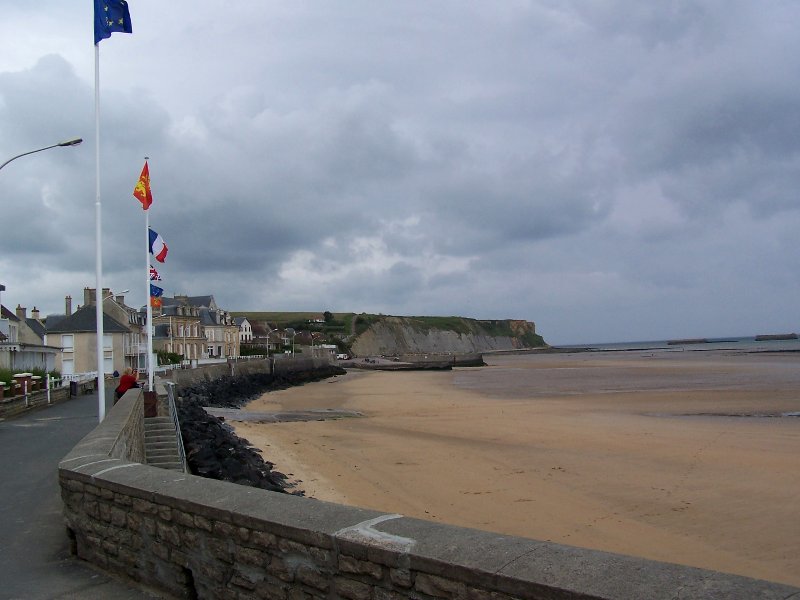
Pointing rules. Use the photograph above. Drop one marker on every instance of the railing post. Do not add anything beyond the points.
(25, 390)
(47, 383)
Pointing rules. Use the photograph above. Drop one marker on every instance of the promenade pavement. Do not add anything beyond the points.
(35, 560)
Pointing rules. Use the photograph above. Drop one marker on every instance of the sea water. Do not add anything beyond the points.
(735, 344)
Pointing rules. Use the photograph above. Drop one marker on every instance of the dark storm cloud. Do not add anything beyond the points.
(611, 170)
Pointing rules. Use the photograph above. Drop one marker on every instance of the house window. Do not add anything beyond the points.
(67, 366)
(108, 343)
(68, 342)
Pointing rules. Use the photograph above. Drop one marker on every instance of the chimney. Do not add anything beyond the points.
(106, 294)
(35, 313)
(88, 296)
(120, 300)
(68, 305)
(21, 313)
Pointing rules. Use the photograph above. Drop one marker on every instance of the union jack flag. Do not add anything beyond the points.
(154, 276)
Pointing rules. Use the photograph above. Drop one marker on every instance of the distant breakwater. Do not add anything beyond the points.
(213, 450)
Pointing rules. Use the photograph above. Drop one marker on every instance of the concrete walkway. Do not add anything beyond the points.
(35, 561)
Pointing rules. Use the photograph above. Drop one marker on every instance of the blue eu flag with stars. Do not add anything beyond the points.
(110, 16)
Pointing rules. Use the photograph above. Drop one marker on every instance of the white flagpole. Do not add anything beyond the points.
(150, 327)
(101, 386)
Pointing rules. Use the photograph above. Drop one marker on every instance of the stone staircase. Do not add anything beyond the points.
(161, 443)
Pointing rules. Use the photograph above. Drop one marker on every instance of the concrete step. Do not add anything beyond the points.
(161, 437)
(157, 452)
(160, 427)
(151, 433)
(172, 466)
(160, 445)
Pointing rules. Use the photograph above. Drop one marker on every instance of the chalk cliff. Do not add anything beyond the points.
(392, 336)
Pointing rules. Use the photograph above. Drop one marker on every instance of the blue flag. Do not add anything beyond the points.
(110, 16)
(155, 291)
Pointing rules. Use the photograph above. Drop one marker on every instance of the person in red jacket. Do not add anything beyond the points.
(126, 382)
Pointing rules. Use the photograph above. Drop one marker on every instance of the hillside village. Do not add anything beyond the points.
(188, 331)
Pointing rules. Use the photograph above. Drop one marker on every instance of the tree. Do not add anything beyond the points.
(328, 316)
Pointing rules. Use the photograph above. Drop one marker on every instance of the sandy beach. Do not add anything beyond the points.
(678, 457)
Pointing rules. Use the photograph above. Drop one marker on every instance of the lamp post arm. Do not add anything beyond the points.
(74, 142)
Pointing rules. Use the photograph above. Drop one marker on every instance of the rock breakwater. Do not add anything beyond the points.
(212, 448)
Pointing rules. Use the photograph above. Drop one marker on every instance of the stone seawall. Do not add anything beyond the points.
(191, 537)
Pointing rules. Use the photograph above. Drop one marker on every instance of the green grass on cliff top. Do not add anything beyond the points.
(492, 327)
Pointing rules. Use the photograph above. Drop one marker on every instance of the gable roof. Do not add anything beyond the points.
(7, 314)
(36, 326)
(85, 320)
(197, 301)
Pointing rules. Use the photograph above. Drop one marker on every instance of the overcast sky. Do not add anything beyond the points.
(613, 171)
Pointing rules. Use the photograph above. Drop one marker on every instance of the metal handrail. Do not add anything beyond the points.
(173, 413)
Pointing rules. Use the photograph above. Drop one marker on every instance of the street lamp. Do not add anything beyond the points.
(292, 333)
(74, 142)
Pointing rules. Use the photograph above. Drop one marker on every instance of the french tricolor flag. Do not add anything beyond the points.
(158, 247)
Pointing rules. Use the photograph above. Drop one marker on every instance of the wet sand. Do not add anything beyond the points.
(642, 454)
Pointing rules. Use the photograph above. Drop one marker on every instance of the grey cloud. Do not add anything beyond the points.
(585, 165)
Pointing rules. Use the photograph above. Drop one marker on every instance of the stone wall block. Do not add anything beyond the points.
(292, 547)
(223, 530)
(191, 538)
(144, 506)
(320, 556)
(160, 550)
(109, 547)
(104, 512)
(149, 526)
(438, 587)
(262, 539)
(311, 576)
(91, 489)
(354, 590)
(106, 494)
(251, 556)
(182, 518)
(119, 516)
(280, 569)
(220, 550)
(165, 513)
(74, 486)
(348, 564)
(133, 521)
(382, 594)
(91, 508)
(203, 523)
(179, 557)
(400, 577)
(127, 556)
(168, 533)
(298, 594)
(247, 577)
(122, 500)
(211, 571)
(271, 590)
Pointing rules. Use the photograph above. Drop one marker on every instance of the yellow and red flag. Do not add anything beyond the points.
(142, 190)
(155, 302)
